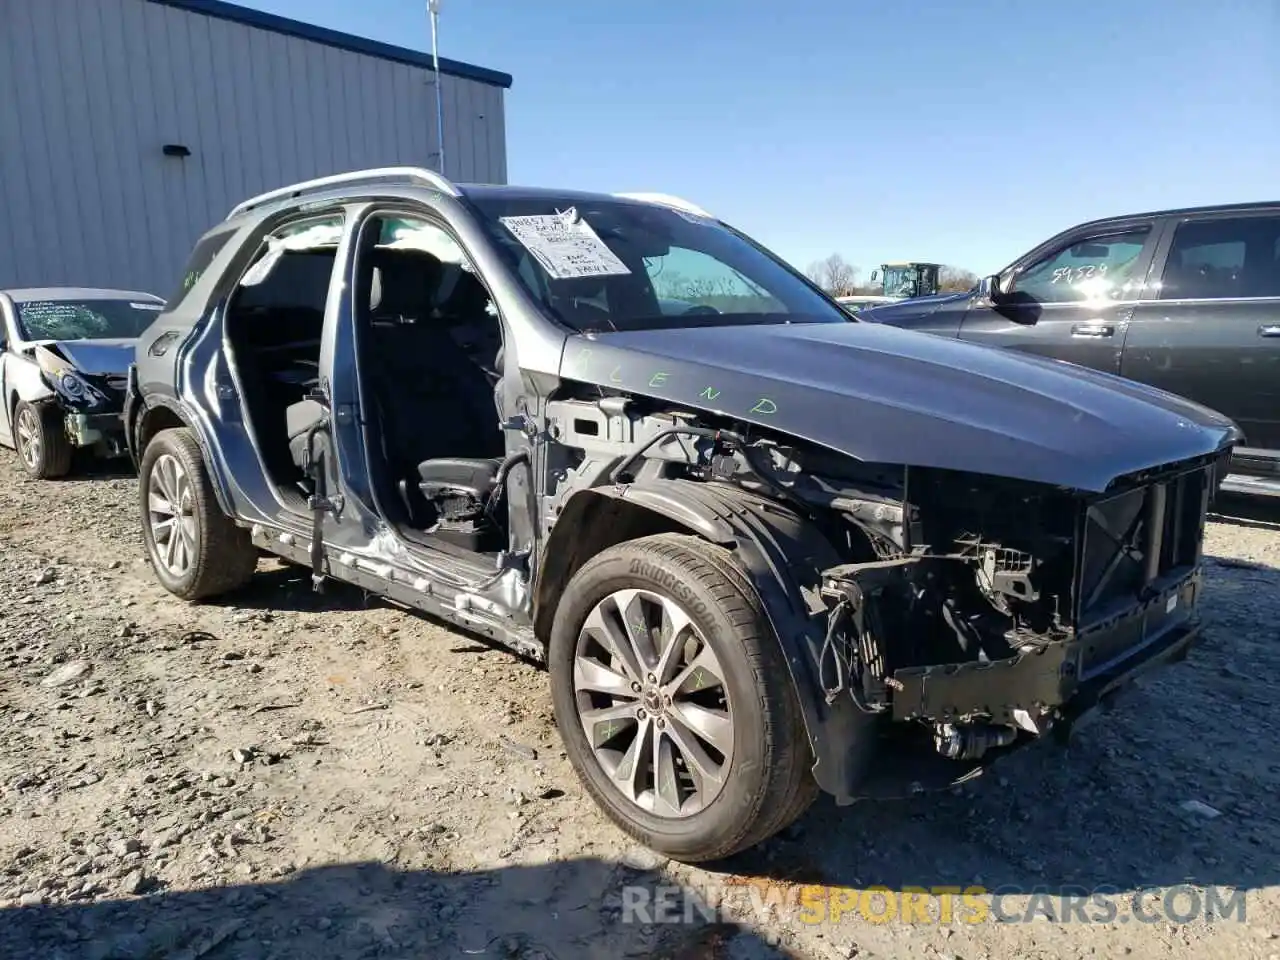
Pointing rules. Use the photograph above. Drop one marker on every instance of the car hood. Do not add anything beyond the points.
(887, 395)
(915, 308)
(96, 357)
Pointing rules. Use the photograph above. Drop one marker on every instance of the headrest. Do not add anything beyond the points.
(465, 297)
(404, 283)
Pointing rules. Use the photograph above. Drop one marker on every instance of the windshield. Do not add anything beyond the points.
(604, 265)
(85, 319)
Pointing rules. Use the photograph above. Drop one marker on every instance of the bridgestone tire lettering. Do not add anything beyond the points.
(672, 584)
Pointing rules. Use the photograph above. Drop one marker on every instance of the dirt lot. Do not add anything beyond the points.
(296, 775)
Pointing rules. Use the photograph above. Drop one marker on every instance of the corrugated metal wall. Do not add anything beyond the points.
(91, 90)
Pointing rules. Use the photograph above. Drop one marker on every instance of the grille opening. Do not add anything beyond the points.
(1135, 542)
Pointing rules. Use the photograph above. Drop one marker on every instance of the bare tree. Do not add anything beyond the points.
(835, 275)
(956, 279)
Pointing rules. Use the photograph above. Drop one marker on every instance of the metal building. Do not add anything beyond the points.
(128, 127)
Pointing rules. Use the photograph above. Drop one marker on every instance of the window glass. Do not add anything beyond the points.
(684, 279)
(1095, 268)
(85, 319)
(1222, 259)
(606, 264)
(205, 250)
(900, 282)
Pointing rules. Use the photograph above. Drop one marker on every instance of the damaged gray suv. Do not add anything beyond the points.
(763, 549)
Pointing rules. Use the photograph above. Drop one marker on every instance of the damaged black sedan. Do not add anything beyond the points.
(763, 550)
(64, 352)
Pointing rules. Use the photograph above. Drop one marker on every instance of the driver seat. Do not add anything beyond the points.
(460, 480)
(459, 491)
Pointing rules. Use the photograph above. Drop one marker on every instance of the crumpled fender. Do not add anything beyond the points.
(26, 381)
(782, 555)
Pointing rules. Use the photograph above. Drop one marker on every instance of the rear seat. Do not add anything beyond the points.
(299, 418)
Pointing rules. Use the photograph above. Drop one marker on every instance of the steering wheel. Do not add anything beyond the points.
(701, 309)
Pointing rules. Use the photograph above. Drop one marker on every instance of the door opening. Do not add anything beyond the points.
(273, 327)
(429, 346)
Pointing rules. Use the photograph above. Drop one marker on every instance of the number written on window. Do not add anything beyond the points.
(1079, 274)
(1093, 268)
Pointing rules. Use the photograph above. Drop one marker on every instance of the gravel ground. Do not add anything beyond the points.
(286, 774)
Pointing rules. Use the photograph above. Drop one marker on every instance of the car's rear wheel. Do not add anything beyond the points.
(43, 447)
(674, 701)
(196, 550)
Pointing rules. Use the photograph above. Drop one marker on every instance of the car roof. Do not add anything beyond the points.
(1256, 206)
(26, 294)
(366, 182)
(483, 191)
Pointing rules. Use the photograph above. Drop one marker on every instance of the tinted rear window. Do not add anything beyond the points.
(1225, 259)
(208, 247)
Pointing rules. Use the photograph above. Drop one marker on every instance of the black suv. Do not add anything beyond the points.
(762, 548)
(1185, 300)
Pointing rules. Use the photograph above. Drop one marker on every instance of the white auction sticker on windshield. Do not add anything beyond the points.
(565, 245)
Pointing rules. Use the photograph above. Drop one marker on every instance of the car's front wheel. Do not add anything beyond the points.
(196, 550)
(674, 700)
(41, 442)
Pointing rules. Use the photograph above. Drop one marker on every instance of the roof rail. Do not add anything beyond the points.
(667, 200)
(378, 175)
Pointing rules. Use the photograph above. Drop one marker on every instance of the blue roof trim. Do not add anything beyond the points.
(335, 38)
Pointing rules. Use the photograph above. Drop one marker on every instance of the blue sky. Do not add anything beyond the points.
(962, 132)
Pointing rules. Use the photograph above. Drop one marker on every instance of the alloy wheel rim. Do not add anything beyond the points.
(652, 700)
(28, 437)
(171, 515)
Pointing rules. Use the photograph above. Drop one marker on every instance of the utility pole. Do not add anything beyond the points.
(433, 6)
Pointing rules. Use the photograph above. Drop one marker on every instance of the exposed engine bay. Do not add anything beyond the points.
(979, 611)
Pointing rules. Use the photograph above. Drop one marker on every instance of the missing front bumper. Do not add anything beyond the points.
(102, 430)
(906, 766)
(1056, 679)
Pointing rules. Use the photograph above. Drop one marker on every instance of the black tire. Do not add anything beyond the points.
(52, 459)
(768, 784)
(224, 557)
